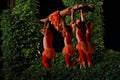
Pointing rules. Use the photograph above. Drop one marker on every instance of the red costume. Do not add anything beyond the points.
(68, 50)
(85, 48)
(56, 20)
(49, 52)
(88, 38)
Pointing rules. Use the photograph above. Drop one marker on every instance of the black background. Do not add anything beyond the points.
(110, 13)
(112, 32)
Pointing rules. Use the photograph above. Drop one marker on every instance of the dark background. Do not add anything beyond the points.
(111, 19)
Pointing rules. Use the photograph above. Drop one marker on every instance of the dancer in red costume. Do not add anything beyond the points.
(49, 52)
(81, 45)
(68, 50)
(84, 45)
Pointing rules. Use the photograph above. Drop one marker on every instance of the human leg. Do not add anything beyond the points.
(81, 58)
(46, 62)
(89, 59)
(67, 60)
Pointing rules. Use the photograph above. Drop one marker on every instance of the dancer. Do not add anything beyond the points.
(49, 52)
(83, 35)
(68, 50)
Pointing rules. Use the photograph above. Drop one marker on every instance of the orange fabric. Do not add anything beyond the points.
(50, 53)
(69, 49)
(56, 20)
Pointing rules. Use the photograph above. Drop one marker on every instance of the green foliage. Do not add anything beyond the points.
(21, 37)
(107, 67)
(96, 18)
(22, 46)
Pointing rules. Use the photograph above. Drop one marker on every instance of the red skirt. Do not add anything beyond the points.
(82, 45)
(86, 46)
(69, 49)
(91, 49)
(50, 53)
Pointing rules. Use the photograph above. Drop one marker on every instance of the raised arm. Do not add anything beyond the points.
(72, 15)
(78, 6)
(44, 20)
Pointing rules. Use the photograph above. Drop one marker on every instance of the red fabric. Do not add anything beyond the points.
(46, 62)
(49, 39)
(88, 35)
(47, 43)
(91, 49)
(69, 49)
(56, 20)
(68, 38)
(81, 31)
(82, 45)
(85, 47)
(81, 57)
(89, 57)
(67, 59)
(50, 53)
(84, 57)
